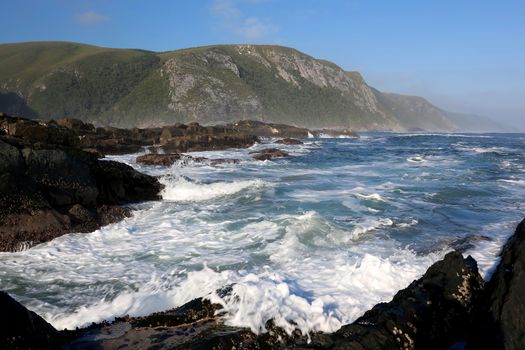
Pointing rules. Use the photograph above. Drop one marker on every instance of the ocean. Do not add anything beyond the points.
(311, 241)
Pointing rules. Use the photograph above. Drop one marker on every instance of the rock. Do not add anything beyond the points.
(269, 153)
(159, 159)
(335, 133)
(468, 242)
(24, 329)
(119, 183)
(218, 161)
(431, 313)
(196, 142)
(262, 129)
(47, 190)
(501, 311)
(289, 142)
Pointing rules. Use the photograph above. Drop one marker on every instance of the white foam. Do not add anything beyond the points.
(373, 196)
(519, 182)
(180, 189)
(416, 159)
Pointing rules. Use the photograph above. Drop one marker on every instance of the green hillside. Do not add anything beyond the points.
(214, 84)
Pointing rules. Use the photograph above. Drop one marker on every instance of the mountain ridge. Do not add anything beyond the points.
(208, 84)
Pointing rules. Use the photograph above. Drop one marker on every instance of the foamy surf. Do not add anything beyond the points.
(179, 189)
(312, 242)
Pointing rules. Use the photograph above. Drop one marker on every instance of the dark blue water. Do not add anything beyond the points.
(311, 241)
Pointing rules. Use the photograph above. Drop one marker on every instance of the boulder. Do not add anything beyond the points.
(501, 312)
(269, 153)
(289, 141)
(159, 159)
(431, 313)
(47, 190)
(24, 329)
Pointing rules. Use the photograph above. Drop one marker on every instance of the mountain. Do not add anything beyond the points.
(214, 84)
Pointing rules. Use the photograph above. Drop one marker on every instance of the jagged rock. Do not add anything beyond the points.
(171, 158)
(24, 329)
(262, 129)
(289, 141)
(159, 159)
(335, 132)
(269, 153)
(431, 313)
(501, 312)
(195, 142)
(47, 190)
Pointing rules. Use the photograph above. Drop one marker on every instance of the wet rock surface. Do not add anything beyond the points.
(289, 141)
(437, 311)
(262, 129)
(170, 158)
(431, 313)
(269, 153)
(335, 133)
(49, 187)
(500, 314)
(24, 329)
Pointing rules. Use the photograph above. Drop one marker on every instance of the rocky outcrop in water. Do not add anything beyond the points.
(109, 140)
(501, 313)
(48, 187)
(269, 153)
(170, 158)
(289, 141)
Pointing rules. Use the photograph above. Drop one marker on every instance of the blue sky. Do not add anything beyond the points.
(463, 55)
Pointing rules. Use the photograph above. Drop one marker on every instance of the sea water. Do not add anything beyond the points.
(311, 241)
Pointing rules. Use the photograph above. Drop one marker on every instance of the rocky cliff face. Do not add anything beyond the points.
(209, 84)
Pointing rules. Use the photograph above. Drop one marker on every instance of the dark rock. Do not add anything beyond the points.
(289, 142)
(24, 329)
(196, 142)
(335, 133)
(159, 159)
(49, 189)
(269, 153)
(431, 313)
(468, 242)
(110, 214)
(262, 129)
(119, 183)
(501, 312)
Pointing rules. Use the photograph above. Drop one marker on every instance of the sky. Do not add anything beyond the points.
(464, 56)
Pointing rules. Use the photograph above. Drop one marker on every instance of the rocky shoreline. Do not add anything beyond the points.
(449, 307)
(53, 181)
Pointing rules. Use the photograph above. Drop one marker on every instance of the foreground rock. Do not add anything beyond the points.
(269, 153)
(431, 313)
(501, 313)
(23, 329)
(49, 188)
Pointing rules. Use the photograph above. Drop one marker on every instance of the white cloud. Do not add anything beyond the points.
(233, 20)
(91, 17)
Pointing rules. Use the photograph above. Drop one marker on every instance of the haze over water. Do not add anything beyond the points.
(315, 240)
